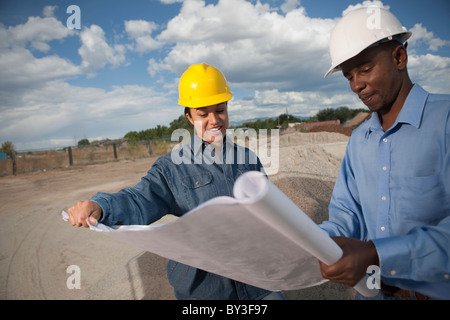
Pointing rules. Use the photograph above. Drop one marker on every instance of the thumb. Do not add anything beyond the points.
(92, 220)
(95, 216)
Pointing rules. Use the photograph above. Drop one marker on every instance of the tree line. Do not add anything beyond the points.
(281, 122)
(163, 132)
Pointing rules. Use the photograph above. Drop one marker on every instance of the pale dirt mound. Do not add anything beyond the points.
(315, 155)
(300, 138)
(313, 196)
(309, 165)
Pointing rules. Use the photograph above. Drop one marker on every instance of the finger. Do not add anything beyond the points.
(335, 272)
(92, 220)
(331, 271)
(325, 270)
(71, 218)
(77, 221)
(80, 219)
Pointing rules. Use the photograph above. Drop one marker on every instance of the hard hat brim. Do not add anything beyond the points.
(333, 69)
(404, 36)
(207, 101)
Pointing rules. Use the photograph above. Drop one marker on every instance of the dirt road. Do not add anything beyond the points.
(37, 246)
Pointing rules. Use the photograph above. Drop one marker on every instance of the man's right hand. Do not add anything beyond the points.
(83, 210)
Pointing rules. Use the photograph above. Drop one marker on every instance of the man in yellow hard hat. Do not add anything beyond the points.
(390, 207)
(176, 188)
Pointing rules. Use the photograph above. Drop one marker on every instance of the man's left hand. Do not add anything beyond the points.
(352, 267)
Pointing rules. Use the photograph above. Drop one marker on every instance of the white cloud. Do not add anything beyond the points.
(229, 20)
(49, 11)
(282, 57)
(271, 103)
(21, 72)
(251, 43)
(420, 34)
(277, 56)
(365, 4)
(58, 109)
(36, 31)
(19, 69)
(140, 31)
(96, 52)
(37, 104)
(431, 71)
(289, 5)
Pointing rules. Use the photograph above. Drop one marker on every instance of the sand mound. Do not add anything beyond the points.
(300, 138)
(314, 155)
(309, 165)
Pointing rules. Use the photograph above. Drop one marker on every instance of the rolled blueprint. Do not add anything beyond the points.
(260, 237)
(272, 206)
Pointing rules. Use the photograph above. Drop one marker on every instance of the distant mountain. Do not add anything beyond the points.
(238, 123)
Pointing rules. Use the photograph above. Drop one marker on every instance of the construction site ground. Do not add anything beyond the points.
(37, 246)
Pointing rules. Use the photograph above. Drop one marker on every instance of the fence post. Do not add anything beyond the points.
(70, 157)
(115, 151)
(14, 162)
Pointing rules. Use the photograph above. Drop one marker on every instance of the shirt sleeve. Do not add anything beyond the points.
(145, 203)
(420, 255)
(345, 213)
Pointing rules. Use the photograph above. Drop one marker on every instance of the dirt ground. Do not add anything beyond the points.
(37, 246)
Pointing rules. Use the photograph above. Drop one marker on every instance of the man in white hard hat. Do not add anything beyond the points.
(390, 207)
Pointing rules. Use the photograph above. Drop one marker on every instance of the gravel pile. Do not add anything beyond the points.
(309, 165)
(311, 155)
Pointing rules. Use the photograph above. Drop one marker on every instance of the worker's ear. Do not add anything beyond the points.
(187, 113)
(189, 118)
(400, 57)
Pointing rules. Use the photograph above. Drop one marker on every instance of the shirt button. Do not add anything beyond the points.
(393, 272)
(385, 140)
(384, 168)
(383, 198)
(383, 228)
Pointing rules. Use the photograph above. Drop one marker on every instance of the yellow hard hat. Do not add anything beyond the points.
(202, 85)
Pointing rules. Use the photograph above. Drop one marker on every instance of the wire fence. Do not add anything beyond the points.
(113, 150)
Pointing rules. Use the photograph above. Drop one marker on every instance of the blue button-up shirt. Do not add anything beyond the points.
(394, 189)
(177, 183)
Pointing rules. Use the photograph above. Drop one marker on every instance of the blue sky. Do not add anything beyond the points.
(119, 72)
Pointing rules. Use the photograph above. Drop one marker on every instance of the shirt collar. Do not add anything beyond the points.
(198, 145)
(411, 112)
(413, 107)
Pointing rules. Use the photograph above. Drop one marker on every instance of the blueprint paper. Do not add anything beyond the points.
(271, 205)
(260, 237)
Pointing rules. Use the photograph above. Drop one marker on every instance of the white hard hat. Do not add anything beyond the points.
(361, 28)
